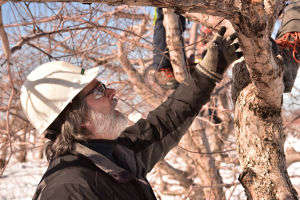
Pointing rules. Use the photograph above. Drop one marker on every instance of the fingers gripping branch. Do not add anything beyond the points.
(220, 53)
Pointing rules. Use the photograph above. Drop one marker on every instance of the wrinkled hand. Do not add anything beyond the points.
(220, 53)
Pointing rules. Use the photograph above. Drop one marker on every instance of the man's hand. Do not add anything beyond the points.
(220, 53)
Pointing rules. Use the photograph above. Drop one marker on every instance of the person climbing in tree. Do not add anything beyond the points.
(162, 66)
(288, 41)
(161, 60)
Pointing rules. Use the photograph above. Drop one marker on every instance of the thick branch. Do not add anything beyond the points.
(211, 22)
(207, 170)
(212, 7)
(264, 72)
(4, 38)
(175, 44)
(177, 174)
(258, 128)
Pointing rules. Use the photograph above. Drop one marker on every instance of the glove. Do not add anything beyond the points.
(220, 53)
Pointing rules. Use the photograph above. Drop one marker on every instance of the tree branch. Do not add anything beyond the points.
(177, 174)
(175, 44)
(135, 78)
(7, 52)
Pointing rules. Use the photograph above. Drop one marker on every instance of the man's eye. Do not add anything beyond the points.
(102, 88)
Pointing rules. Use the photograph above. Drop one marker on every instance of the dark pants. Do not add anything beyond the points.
(161, 57)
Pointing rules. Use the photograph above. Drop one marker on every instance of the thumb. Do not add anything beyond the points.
(212, 53)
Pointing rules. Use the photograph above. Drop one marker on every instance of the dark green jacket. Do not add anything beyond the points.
(88, 175)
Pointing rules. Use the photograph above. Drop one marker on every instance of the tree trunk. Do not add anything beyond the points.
(259, 135)
(3, 155)
(258, 121)
(206, 165)
(258, 125)
(22, 151)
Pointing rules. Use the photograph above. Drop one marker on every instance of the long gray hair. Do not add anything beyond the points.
(67, 128)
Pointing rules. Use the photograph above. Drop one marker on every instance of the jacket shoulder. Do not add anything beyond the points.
(67, 190)
(69, 177)
(70, 169)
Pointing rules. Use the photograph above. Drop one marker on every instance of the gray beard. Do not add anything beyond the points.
(108, 126)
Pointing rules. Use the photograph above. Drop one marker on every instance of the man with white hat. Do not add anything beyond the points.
(91, 154)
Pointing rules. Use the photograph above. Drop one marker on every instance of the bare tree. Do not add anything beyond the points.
(119, 39)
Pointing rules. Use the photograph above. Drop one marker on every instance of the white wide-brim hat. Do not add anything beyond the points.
(49, 88)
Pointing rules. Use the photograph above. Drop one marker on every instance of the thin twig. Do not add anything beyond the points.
(207, 153)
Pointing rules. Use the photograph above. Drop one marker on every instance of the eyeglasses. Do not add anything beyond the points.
(98, 91)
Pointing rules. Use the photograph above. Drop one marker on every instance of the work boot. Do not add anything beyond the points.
(165, 78)
(288, 41)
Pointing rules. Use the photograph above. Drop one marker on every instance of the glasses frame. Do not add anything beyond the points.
(99, 89)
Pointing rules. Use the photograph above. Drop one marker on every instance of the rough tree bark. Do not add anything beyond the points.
(258, 121)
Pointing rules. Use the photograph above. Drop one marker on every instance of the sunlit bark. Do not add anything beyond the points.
(175, 44)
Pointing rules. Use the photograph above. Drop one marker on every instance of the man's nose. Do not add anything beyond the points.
(110, 93)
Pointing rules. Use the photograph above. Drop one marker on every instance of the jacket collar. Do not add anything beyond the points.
(119, 174)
